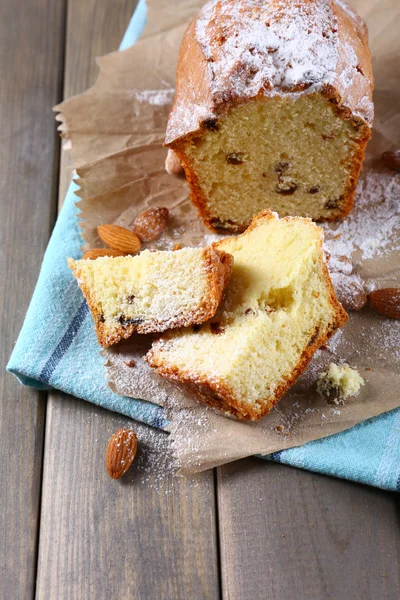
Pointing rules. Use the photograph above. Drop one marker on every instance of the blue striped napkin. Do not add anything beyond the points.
(57, 348)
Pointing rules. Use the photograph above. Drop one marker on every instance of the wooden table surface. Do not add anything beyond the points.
(246, 531)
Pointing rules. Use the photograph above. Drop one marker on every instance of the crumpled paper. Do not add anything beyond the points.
(115, 131)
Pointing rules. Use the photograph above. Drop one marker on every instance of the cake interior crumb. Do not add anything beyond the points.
(339, 382)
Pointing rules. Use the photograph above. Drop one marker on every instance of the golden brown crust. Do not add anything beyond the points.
(196, 103)
(217, 270)
(195, 100)
(219, 396)
(104, 337)
(216, 393)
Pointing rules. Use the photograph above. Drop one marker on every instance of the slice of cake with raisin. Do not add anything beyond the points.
(153, 291)
(273, 109)
(278, 309)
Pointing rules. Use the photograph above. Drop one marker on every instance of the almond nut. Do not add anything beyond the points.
(340, 264)
(173, 165)
(119, 238)
(121, 451)
(96, 252)
(386, 302)
(151, 223)
(392, 159)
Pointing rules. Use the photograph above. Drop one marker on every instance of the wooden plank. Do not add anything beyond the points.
(150, 535)
(288, 534)
(31, 66)
(94, 28)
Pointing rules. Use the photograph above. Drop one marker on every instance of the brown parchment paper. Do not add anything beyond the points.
(115, 132)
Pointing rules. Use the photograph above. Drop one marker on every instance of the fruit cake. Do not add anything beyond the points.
(278, 309)
(273, 109)
(153, 291)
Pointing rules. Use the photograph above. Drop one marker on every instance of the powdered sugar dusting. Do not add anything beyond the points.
(186, 117)
(262, 45)
(348, 9)
(154, 467)
(374, 223)
(155, 97)
(253, 45)
(336, 265)
(272, 47)
(211, 238)
(335, 341)
(385, 339)
(349, 290)
(187, 433)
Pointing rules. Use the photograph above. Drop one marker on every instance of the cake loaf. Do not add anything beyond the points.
(273, 109)
(278, 309)
(153, 291)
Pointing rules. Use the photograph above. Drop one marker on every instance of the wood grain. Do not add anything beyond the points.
(149, 535)
(94, 28)
(288, 534)
(284, 534)
(31, 67)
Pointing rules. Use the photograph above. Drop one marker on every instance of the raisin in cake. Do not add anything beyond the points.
(153, 291)
(273, 109)
(278, 309)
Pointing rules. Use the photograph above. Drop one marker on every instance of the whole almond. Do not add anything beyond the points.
(340, 264)
(121, 451)
(96, 252)
(119, 238)
(392, 159)
(151, 223)
(386, 302)
(173, 165)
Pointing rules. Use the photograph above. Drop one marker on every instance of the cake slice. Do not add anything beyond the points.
(273, 109)
(278, 309)
(153, 291)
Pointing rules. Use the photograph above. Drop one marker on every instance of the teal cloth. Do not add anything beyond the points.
(57, 348)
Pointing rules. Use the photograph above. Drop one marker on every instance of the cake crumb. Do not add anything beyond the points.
(339, 382)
